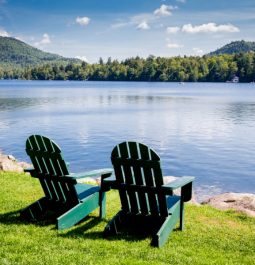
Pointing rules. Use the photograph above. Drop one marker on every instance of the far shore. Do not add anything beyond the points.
(128, 81)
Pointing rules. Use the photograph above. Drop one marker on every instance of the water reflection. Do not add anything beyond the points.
(88, 101)
(7, 104)
(239, 112)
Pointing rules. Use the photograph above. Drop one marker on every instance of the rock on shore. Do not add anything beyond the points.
(9, 163)
(241, 202)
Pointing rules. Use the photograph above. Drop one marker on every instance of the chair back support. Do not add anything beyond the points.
(139, 178)
(49, 167)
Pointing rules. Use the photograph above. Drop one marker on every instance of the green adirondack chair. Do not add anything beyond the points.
(65, 199)
(145, 200)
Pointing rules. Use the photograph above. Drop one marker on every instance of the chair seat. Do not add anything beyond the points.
(85, 190)
(172, 203)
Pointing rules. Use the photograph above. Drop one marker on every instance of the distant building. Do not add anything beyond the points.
(235, 79)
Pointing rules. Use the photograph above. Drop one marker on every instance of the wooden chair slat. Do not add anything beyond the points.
(123, 150)
(127, 171)
(133, 150)
(52, 188)
(59, 191)
(63, 166)
(40, 143)
(32, 143)
(149, 179)
(36, 164)
(120, 179)
(134, 157)
(71, 194)
(46, 189)
(45, 152)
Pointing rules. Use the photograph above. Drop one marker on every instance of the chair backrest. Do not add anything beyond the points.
(139, 179)
(49, 167)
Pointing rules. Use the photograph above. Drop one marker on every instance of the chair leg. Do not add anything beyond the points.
(182, 216)
(102, 204)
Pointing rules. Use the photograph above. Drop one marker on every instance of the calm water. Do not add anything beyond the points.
(203, 130)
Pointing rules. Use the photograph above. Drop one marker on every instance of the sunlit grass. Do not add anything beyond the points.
(210, 237)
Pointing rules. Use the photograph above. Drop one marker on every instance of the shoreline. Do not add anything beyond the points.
(239, 202)
(128, 81)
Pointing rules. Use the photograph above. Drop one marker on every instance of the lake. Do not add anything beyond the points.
(206, 130)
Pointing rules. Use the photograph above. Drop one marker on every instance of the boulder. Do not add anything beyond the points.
(241, 202)
(9, 163)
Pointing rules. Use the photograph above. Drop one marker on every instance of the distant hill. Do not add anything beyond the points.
(15, 53)
(235, 47)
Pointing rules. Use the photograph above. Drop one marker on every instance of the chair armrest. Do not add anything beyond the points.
(185, 183)
(179, 183)
(108, 182)
(28, 170)
(105, 172)
(31, 171)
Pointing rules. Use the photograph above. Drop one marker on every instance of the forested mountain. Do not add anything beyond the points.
(26, 62)
(15, 54)
(235, 47)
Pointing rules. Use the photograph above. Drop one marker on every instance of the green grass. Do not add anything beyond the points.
(211, 236)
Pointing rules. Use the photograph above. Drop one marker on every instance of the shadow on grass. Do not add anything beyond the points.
(127, 232)
(84, 232)
(80, 230)
(13, 217)
(10, 218)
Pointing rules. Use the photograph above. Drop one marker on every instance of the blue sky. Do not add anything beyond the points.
(90, 29)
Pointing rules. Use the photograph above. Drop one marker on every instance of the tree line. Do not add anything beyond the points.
(217, 68)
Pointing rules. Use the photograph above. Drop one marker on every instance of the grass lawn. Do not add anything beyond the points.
(211, 236)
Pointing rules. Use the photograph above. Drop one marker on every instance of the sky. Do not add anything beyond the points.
(120, 29)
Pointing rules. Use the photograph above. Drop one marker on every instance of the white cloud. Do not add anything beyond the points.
(171, 30)
(146, 20)
(44, 41)
(144, 25)
(198, 51)
(164, 10)
(139, 21)
(174, 45)
(209, 27)
(4, 33)
(83, 58)
(139, 18)
(119, 25)
(83, 21)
